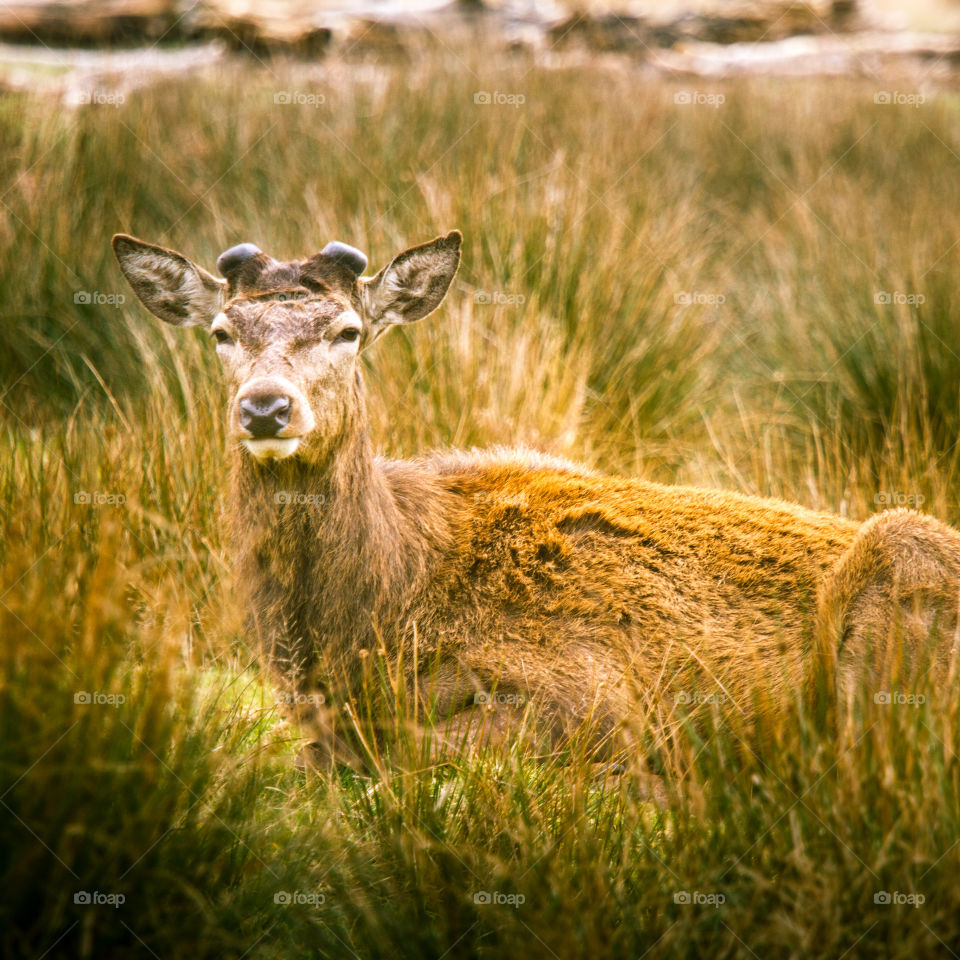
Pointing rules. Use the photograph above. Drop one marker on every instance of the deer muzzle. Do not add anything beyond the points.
(270, 416)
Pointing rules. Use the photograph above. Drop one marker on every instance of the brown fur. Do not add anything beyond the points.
(594, 596)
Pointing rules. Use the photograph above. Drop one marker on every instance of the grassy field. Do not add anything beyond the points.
(745, 285)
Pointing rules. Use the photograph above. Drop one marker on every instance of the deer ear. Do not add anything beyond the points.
(168, 284)
(412, 285)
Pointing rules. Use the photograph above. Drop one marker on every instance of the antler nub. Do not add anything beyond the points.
(344, 254)
(231, 259)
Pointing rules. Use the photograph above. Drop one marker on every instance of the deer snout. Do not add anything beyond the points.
(271, 416)
(265, 415)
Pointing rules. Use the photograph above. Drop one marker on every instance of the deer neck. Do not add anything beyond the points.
(327, 544)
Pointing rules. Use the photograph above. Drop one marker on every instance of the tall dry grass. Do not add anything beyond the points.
(683, 292)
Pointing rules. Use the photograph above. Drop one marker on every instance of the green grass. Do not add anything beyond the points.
(601, 204)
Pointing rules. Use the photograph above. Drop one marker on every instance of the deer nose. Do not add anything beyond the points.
(265, 415)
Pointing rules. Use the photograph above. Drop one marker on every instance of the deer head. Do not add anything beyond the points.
(289, 334)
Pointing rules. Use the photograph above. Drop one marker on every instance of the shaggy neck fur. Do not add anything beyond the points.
(329, 546)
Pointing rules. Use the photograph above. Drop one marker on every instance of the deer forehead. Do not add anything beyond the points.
(304, 317)
(261, 275)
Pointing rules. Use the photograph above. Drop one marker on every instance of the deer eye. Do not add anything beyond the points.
(349, 334)
(222, 337)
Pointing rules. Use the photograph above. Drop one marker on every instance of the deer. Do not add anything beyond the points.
(515, 576)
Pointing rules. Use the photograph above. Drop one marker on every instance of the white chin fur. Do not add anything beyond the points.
(273, 448)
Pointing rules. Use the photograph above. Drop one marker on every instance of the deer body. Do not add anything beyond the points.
(535, 576)
(506, 569)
